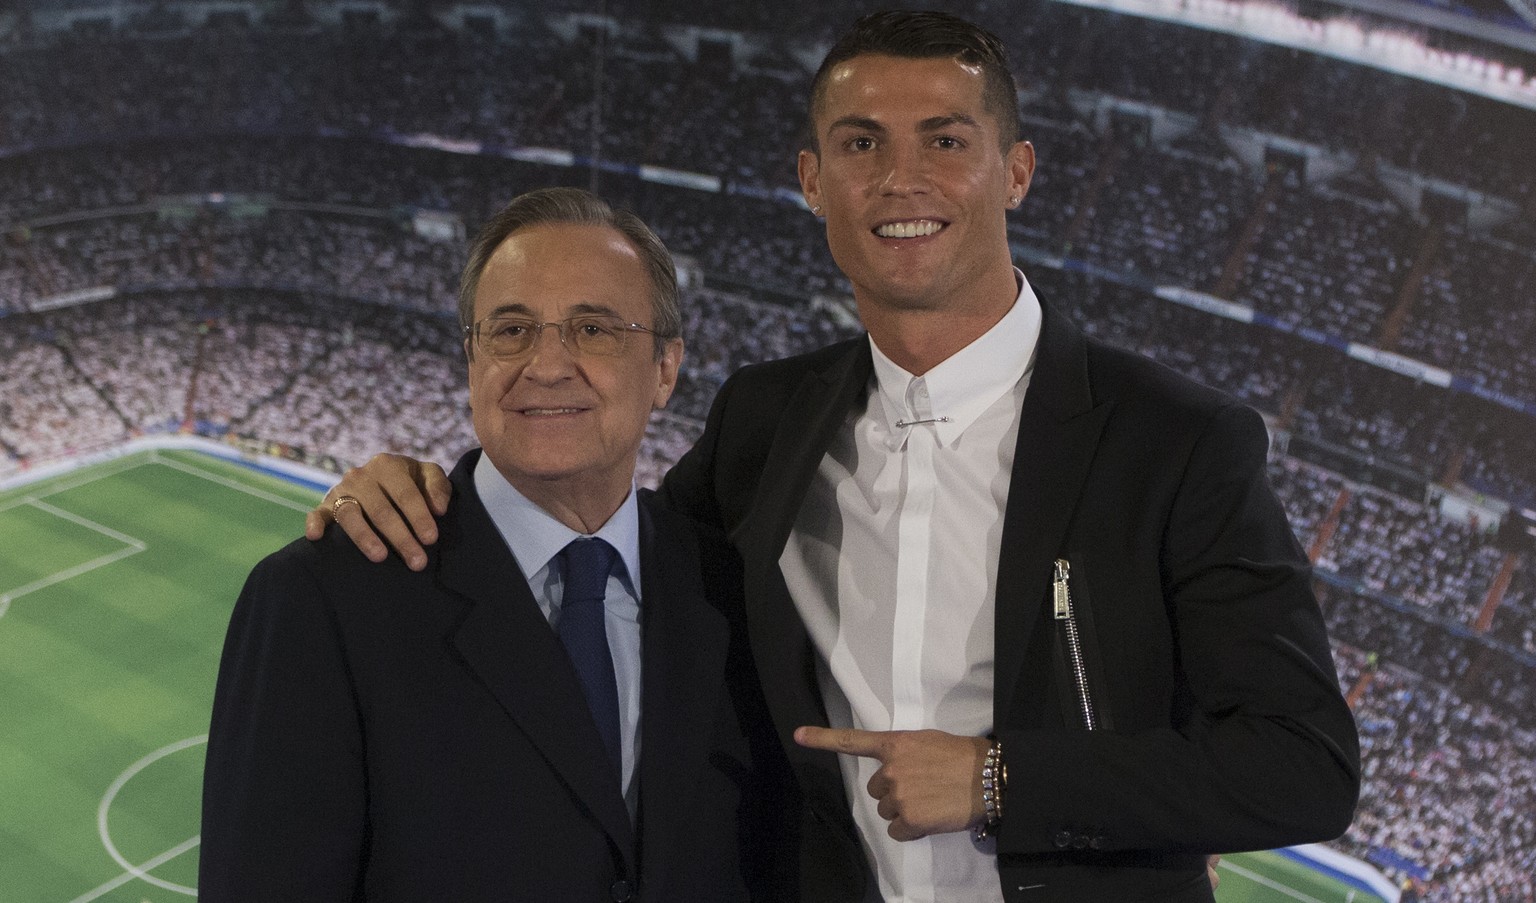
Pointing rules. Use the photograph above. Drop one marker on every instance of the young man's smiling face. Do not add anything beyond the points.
(913, 181)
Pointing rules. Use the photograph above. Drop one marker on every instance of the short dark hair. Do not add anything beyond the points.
(921, 35)
(575, 206)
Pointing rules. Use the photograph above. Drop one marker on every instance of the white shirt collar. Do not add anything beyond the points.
(535, 536)
(967, 382)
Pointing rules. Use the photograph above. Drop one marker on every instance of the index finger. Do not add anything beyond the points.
(845, 740)
(411, 492)
(435, 485)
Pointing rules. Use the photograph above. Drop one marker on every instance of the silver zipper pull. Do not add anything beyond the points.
(1062, 594)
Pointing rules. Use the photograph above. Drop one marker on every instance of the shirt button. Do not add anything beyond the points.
(621, 891)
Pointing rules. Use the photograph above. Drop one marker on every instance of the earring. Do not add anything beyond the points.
(1014, 201)
(816, 210)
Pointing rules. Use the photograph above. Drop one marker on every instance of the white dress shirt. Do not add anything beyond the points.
(535, 538)
(892, 564)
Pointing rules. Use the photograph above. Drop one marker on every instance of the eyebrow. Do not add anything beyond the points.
(936, 123)
(580, 309)
(931, 124)
(858, 123)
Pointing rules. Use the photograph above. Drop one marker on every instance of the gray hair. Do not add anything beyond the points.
(573, 205)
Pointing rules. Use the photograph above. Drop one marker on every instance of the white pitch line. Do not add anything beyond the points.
(77, 570)
(125, 877)
(85, 522)
(134, 546)
(142, 871)
(232, 484)
(1268, 882)
(107, 469)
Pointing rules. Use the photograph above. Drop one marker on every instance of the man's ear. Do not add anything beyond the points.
(1021, 168)
(669, 364)
(809, 166)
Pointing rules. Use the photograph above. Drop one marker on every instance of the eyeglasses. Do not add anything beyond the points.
(593, 334)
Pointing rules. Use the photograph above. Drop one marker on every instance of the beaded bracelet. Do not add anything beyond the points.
(994, 780)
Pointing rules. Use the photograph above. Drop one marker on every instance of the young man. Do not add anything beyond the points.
(552, 708)
(1028, 618)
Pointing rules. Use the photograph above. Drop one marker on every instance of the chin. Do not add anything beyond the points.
(909, 296)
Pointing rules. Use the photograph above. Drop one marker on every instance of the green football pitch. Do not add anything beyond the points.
(116, 583)
(1272, 877)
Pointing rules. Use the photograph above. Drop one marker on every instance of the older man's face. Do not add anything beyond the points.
(550, 419)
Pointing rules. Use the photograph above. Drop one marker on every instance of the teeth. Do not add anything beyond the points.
(909, 229)
(539, 411)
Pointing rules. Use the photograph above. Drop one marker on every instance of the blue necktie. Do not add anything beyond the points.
(587, 564)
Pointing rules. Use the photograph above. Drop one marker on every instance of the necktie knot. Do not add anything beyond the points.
(587, 565)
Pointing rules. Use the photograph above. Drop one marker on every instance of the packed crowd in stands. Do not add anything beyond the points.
(1451, 781)
(302, 311)
(1417, 427)
(68, 88)
(1320, 272)
(1430, 623)
(1503, 331)
(1405, 550)
(1314, 392)
(1516, 623)
(1327, 264)
(359, 257)
(1407, 555)
(47, 406)
(1166, 215)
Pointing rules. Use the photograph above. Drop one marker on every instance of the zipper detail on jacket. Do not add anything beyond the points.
(1062, 595)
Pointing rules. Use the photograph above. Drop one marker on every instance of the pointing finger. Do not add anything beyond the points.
(842, 740)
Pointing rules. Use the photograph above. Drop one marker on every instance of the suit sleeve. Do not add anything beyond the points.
(284, 794)
(1260, 749)
(688, 487)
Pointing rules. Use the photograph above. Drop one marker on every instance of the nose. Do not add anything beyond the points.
(549, 359)
(905, 172)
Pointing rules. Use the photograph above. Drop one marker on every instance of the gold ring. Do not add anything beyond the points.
(342, 500)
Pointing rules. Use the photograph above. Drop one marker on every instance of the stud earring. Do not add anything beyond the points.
(816, 210)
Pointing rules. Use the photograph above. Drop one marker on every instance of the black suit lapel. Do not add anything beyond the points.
(506, 641)
(683, 665)
(1059, 428)
(819, 407)
(786, 662)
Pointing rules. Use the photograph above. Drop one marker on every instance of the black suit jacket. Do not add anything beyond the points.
(387, 735)
(1222, 726)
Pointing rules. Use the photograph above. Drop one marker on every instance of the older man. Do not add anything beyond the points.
(552, 708)
(1028, 618)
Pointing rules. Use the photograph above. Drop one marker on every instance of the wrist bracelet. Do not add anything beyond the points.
(994, 780)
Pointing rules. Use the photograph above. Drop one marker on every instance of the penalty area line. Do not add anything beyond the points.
(7, 598)
(231, 484)
(132, 546)
(125, 877)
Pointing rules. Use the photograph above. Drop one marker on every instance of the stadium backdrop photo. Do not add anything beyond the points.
(230, 234)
